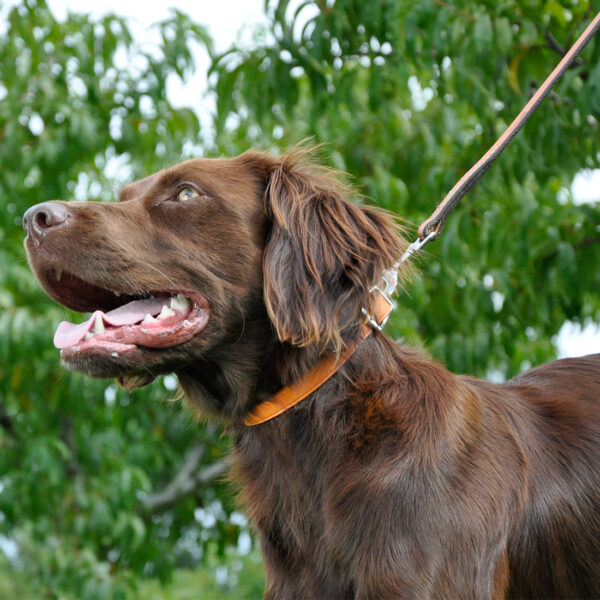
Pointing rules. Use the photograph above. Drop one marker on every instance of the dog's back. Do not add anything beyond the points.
(553, 551)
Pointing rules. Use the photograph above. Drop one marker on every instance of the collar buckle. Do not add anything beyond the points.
(389, 282)
(385, 288)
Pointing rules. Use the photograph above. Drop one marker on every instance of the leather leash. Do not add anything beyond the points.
(431, 228)
(428, 231)
(435, 222)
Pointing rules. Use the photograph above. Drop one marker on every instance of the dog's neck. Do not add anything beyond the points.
(327, 367)
(243, 372)
(248, 371)
(258, 377)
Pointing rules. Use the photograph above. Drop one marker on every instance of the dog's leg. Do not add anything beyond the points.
(304, 581)
(464, 580)
(284, 573)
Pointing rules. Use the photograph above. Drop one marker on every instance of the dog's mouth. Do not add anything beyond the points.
(121, 322)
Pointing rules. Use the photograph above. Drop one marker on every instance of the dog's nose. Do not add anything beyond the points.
(41, 218)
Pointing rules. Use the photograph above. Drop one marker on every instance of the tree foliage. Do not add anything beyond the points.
(80, 459)
(405, 97)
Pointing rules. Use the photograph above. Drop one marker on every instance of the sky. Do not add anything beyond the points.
(228, 21)
(231, 21)
(224, 18)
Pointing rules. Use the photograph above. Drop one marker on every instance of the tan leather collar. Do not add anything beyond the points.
(312, 379)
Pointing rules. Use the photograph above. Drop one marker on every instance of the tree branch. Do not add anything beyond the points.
(186, 482)
(323, 7)
(554, 45)
(588, 241)
(552, 41)
(6, 422)
(458, 11)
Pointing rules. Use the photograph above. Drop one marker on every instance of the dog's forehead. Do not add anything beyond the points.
(139, 187)
(212, 172)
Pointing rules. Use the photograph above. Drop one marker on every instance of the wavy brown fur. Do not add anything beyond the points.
(321, 247)
(396, 478)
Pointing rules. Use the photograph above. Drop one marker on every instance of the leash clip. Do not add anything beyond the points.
(416, 246)
(389, 281)
(385, 288)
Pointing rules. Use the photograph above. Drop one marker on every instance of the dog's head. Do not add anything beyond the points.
(204, 268)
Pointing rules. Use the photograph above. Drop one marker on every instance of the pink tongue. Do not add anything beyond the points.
(69, 334)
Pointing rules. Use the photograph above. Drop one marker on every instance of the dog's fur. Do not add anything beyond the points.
(396, 478)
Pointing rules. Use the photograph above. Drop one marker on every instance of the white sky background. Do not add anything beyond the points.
(231, 21)
(228, 21)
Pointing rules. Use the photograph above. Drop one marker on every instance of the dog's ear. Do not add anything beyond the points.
(323, 254)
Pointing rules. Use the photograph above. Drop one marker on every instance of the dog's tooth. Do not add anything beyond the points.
(99, 324)
(58, 274)
(148, 319)
(165, 312)
(180, 303)
(117, 294)
(88, 336)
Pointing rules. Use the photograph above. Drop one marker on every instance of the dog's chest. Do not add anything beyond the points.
(285, 488)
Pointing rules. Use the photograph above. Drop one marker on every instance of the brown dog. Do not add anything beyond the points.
(395, 478)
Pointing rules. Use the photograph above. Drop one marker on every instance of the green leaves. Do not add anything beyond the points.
(483, 33)
(178, 35)
(78, 454)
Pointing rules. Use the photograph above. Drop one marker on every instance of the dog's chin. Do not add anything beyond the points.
(114, 361)
(133, 366)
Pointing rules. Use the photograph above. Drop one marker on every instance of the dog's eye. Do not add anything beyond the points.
(187, 193)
